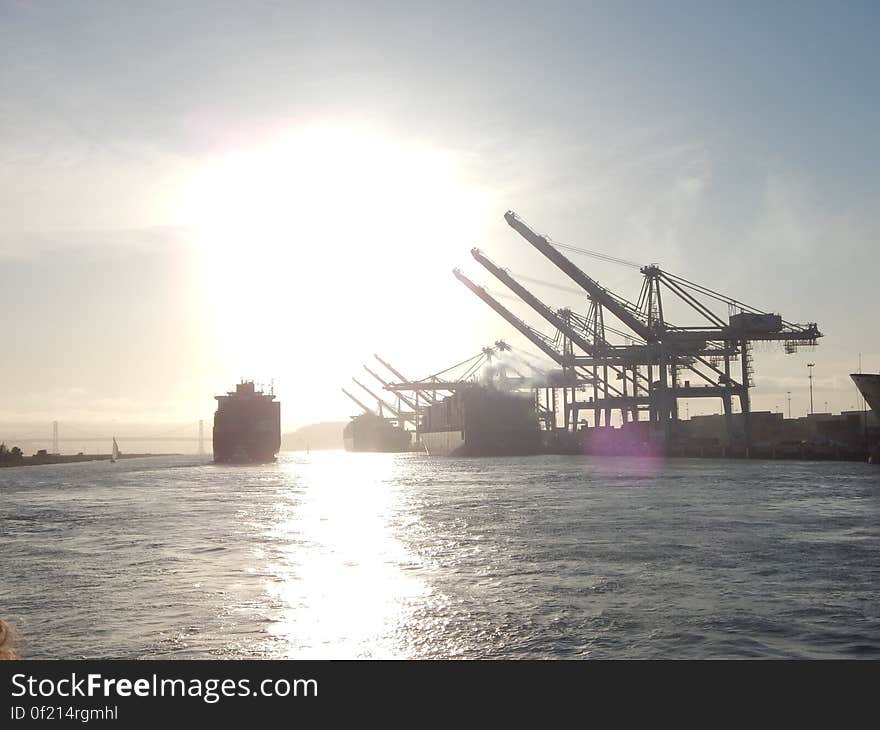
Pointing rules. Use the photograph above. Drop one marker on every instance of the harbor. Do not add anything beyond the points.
(617, 378)
(349, 332)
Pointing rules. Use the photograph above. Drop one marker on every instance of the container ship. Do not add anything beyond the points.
(369, 432)
(247, 426)
(480, 420)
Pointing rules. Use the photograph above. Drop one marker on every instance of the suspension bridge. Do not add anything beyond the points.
(57, 434)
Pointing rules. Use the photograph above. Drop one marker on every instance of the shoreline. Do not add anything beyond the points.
(72, 459)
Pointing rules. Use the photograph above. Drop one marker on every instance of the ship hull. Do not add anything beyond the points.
(869, 387)
(385, 448)
(477, 443)
(443, 443)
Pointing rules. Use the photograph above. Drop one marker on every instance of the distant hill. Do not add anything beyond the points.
(315, 436)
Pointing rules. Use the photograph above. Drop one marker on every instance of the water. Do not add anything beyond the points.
(335, 555)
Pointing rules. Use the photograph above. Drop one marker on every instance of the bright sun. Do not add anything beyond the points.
(322, 231)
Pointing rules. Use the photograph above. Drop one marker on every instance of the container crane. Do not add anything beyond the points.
(428, 395)
(625, 311)
(401, 416)
(369, 411)
(695, 348)
(543, 343)
(409, 402)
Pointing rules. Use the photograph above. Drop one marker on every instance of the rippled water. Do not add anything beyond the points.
(334, 555)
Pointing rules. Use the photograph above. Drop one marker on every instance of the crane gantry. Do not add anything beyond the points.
(653, 370)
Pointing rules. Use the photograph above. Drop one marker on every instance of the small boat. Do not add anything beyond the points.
(114, 454)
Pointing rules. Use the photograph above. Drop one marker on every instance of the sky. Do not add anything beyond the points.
(192, 193)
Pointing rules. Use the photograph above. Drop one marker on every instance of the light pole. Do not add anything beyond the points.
(788, 392)
(810, 366)
(864, 405)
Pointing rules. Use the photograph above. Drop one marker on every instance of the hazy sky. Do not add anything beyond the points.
(194, 192)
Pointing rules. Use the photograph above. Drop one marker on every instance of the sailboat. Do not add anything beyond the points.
(114, 455)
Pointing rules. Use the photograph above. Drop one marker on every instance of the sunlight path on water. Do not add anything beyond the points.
(335, 555)
(342, 577)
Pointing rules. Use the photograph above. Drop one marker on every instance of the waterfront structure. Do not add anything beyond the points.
(658, 363)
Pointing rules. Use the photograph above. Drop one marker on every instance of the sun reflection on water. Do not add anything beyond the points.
(345, 585)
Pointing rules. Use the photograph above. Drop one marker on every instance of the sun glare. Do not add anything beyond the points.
(326, 226)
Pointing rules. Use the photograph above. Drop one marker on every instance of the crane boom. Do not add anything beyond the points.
(385, 383)
(404, 379)
(624, 311)
(532, 335)
(556, 320)
(394, 372)
(400, 416)
(366, 410)
(551, 316)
